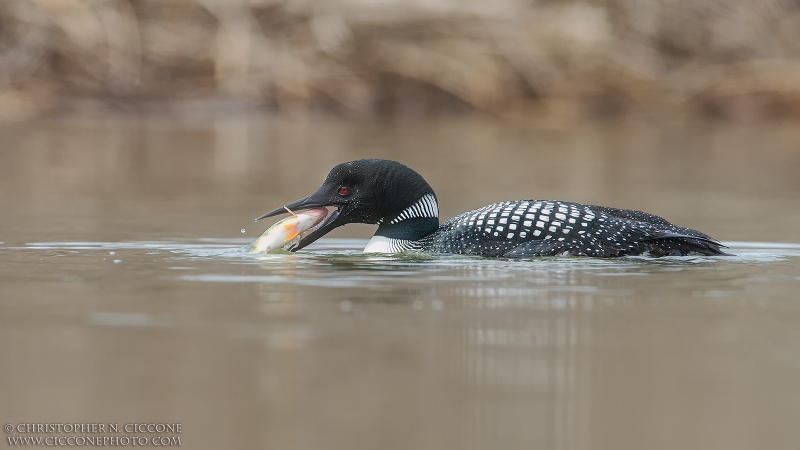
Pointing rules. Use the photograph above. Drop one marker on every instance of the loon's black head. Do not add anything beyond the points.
(373, 191)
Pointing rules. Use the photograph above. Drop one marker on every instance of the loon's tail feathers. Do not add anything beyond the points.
(667, 243)
(654, 243)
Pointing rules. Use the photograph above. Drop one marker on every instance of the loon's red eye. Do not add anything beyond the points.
(344, 190)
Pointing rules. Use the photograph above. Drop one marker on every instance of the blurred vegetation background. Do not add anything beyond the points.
(734, 59)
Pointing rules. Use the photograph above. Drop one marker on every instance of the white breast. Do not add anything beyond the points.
(381, 244)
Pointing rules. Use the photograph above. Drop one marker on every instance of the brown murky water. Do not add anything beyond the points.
(124, 296)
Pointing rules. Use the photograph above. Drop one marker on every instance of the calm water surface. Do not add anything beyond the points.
(125, 295)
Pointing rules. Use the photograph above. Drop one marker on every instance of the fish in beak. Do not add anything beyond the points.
(310, 203)
(289, 229)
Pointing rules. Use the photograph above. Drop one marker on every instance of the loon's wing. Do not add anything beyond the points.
(656, 221)
(666, 235)
(631, 214)
(526, 228)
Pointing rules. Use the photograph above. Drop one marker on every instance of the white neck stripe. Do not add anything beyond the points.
(424, 207)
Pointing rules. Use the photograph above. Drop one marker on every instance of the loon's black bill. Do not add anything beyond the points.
(327, 225)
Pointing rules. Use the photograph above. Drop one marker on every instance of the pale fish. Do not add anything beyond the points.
(288, 229)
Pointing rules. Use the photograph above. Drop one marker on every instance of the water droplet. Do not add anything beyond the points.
(117, 261)
(112, 253)
(346, 305)
(417, 304)
(437, 305)
(243, 230)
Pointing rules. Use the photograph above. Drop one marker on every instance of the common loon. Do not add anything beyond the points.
(403, 205)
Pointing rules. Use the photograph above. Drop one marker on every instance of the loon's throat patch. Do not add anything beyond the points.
(424, 207)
